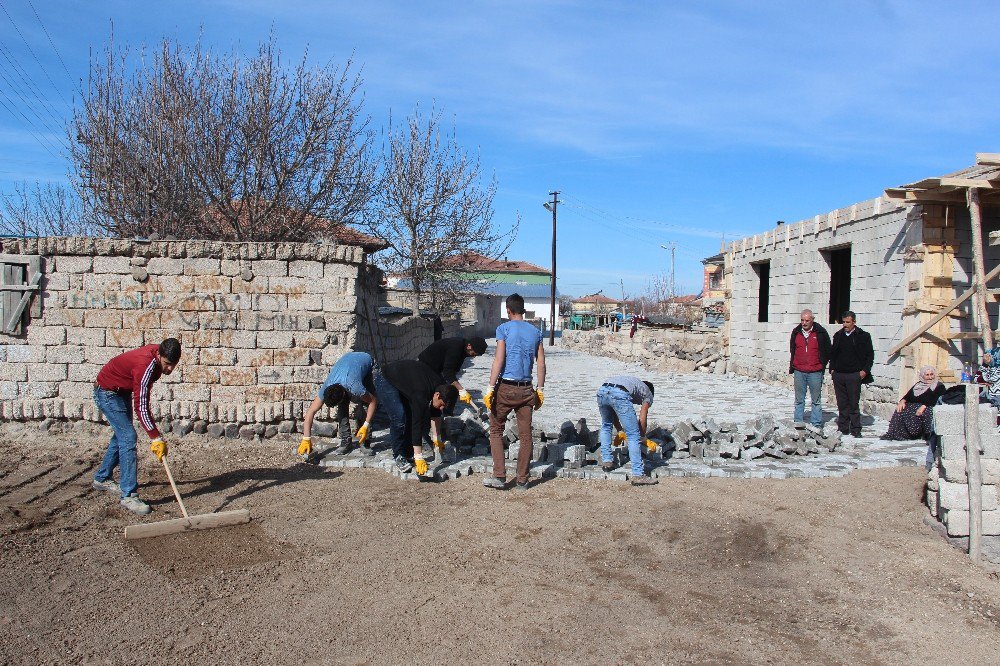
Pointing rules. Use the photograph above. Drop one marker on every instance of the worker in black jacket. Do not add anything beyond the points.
(411, 394)
(446, 357)
(851, 359)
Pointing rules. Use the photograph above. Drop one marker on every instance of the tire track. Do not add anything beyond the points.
(33, 492)
(35, 475)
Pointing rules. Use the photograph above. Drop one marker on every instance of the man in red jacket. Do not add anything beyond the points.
(809, 347)
(131, 376)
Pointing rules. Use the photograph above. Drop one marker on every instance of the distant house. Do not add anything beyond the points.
(500, 277)
(713, 287)
(593, 310)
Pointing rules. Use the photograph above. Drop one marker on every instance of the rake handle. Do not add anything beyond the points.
(173, 486)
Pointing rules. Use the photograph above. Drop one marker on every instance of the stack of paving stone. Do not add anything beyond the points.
(947, 483)
(756, 438)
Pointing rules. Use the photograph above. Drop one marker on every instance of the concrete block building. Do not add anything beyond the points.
(896, 260)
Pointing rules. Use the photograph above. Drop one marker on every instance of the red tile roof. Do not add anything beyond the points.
(597, 299)
(473, 261)
(323, 228)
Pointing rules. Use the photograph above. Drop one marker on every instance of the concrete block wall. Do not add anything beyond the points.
(948, 486)
(878, 231)
(260, 323)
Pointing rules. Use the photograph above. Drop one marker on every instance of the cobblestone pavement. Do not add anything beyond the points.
(570, 388)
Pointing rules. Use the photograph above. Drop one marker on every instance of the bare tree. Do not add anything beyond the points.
(43, 210)
(433, 210)
(199, 145)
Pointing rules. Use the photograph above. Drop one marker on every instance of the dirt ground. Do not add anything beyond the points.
(357, 567)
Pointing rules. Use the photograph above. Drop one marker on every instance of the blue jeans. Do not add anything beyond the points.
(398, 410)
(612, 401)
(814, 382)
(121, 449)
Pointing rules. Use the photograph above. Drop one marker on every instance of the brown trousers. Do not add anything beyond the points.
(521, 401)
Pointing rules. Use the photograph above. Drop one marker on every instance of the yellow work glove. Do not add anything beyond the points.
(159, 448)
(619, 439)
(651, 445)
(465, 397)
(539, 397)
(421, 466)
(488, 400)
(439, 445)
(306, 447)
(363, 432)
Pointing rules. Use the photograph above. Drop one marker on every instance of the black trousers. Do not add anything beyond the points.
(847, 387)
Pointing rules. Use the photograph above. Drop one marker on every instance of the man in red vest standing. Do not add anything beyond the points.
(128, 378)
(810, 351)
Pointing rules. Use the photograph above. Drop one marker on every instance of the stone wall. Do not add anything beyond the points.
(657, 349)
(948, 486)
(261, 324)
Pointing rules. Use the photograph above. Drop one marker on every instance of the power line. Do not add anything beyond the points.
(35, 56)
(29, 85)
(24, 91)
(51, 43)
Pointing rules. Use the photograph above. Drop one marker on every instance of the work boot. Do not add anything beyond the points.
(135, 505)
(494, 482)
(608, 466)
(644, 481)
(366, 450)
(402, 464)
(108, 485)
(343, 449)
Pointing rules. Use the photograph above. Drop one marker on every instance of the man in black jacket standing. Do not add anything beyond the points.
(851, 361)
(809, 348)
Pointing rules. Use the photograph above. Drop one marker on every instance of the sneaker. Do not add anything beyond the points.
(403, 464)
(494, 482)
(521, 486)
(108, 485)
(135, 505)
(608, 466)
(644, 481)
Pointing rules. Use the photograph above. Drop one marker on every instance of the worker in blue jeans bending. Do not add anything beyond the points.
(614, 400)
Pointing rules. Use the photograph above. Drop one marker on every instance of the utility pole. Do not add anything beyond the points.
(672, 246)
(624, 306)
(552, 205)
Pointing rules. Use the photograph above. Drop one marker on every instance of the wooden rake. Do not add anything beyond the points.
(205, 521)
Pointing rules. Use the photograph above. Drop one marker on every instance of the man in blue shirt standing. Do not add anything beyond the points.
(519, 347)
(349, 379)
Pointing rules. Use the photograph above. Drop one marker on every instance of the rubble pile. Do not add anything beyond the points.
(763, 436)
(575, 445)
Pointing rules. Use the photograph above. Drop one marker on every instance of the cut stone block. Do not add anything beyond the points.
(575, 456)
(957, 522)
(949, 420)
(956, 496)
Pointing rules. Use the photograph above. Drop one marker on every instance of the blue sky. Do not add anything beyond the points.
(659, 121)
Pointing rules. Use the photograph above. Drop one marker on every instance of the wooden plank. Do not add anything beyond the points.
(964, 335)
(968, 182)
(177, 525)
(973, 471)
(979, 269)
(990, 159)
(941, 315)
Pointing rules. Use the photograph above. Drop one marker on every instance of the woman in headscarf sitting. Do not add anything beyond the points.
(912, 419)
